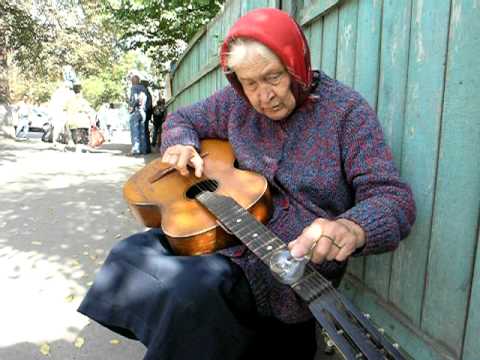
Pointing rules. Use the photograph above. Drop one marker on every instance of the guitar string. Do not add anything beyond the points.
(325, 285)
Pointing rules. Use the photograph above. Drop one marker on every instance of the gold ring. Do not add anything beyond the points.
(332, 240)
(315, 242)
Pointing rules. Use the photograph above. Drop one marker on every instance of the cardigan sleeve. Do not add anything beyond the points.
(205, 119)
(384, 205)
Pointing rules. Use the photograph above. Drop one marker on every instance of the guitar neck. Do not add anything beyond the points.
(260, 240)
(352, 332)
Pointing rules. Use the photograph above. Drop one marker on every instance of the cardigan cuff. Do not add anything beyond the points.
(179, 136)
(381, 230)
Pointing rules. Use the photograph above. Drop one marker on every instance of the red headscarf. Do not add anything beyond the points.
(281, 34)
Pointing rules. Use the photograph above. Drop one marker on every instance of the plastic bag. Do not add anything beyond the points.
(96, 137)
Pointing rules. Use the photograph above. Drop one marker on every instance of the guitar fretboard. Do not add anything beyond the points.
(260, 240)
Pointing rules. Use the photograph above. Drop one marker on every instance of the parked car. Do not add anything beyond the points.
(39, 119)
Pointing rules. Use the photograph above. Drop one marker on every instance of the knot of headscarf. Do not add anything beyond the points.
(278, 31)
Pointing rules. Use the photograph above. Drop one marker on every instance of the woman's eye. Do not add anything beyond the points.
(274, 78)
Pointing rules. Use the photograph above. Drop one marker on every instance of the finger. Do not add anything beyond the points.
(182, 161)
(345, 252)
(197, 163)
(169, 159)
(305, 241)
(170, 156)
(332, 254)
(322, 250)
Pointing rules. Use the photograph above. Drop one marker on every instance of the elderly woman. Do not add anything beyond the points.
(335, 191)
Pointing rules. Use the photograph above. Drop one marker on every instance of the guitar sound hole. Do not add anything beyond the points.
(202, 186)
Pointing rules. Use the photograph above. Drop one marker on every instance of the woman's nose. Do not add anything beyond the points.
(266, 93)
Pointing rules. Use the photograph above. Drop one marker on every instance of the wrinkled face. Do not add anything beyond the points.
(266, 84)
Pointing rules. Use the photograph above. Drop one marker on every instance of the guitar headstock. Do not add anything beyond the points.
(351, 332)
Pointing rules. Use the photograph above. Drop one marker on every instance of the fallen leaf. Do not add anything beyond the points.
(45, 349)
(70, 298)
(36, 243)
(74, 263)
(79, 341)
(118, 236)
(90, 283)
(114, 341)
(85, 253)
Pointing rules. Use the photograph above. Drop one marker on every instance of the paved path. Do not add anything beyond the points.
(60, 213)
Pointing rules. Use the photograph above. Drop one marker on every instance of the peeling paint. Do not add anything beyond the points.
(418, 17)
(419, 43)
(456, 14)
(347, 35)
(421, 49)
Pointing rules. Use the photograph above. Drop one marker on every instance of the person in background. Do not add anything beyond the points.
(110, 120)
(102, 120)
(148, 117)
(159, 112)
(56, 109)
(80, 117)
(336, 193)
(137, 108)
(23, 118)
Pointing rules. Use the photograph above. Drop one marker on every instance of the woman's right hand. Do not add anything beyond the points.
(181, 156)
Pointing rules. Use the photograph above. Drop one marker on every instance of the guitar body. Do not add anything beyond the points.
(162, 198)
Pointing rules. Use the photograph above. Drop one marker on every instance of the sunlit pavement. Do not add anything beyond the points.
(60, 213)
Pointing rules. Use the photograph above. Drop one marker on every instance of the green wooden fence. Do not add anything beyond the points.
(418, 64)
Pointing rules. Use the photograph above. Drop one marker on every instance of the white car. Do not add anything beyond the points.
(39, 119)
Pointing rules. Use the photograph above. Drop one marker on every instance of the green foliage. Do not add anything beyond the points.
(94, 37)
(161, 28)
(109, 85)
(21, 31)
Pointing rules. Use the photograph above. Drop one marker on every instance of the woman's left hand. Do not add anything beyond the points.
(328, 240)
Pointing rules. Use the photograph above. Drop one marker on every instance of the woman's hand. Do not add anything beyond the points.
(181, 156)
(328, 240)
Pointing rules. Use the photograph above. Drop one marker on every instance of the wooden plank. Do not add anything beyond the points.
(397, 327)
(428, 42)
(367, 52)
(329, 43)
(390, 104)
(471, 347)
(312, 10)
(345, 69)
(347, 36)
(456, 213)
(315, 42)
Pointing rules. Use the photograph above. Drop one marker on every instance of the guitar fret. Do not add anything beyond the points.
(243, 225)
(311, 285)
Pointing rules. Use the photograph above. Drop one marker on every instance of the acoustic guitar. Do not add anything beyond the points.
(228, 206)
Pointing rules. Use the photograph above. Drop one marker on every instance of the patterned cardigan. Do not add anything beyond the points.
(328, 159)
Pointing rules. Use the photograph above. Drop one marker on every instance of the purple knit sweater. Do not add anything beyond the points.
(328, 159)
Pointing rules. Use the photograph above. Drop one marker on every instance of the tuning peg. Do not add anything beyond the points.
(396, 346)
(381, 330)
(329, 344)
(367, 316)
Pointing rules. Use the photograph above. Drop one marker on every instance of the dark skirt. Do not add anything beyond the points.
(80, 136)
(187, 307)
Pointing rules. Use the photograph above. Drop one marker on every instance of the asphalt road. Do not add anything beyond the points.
(60, 213)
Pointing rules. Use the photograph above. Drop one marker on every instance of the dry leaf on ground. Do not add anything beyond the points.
(79, 341)
(45, 349)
